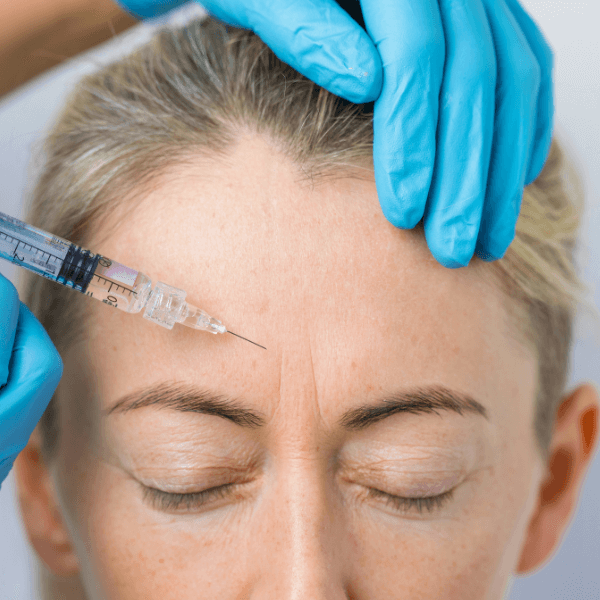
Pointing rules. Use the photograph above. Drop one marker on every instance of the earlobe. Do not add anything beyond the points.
(573, 442)
(556, 500)
(40, 512)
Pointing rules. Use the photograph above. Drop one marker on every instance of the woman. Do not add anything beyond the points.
(406, 434)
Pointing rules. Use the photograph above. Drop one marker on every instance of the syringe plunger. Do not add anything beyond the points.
(100, 277)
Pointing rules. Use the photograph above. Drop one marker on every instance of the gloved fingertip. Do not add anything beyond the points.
(364, 81)
(358, 89)
(450, 248)
(398, 219)
(451, 263)
(400, 215)
(349, 67)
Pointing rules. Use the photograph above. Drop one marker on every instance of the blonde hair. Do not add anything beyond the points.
(192, 90)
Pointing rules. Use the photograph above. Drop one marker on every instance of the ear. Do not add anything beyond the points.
(40, 510)
(571, 450)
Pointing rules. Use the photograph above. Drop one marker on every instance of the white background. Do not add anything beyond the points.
(572, 30)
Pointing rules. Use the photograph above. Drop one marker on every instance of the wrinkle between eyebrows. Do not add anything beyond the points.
(314, 380)
(189, 398)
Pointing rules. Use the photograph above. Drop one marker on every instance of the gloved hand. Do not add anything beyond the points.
(463, 112)
(30, 369)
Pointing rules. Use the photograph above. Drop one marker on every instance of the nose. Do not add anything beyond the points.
(305, 539)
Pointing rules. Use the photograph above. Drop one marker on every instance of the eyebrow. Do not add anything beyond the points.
(188, 398)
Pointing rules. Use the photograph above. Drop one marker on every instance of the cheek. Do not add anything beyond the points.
(128, 552)
(406, 561)
(469, 557)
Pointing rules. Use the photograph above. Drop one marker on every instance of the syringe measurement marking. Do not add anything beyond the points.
(57, 258)
(125, 289)
(37, 249)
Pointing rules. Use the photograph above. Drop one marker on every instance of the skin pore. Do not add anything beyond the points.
(350, 310)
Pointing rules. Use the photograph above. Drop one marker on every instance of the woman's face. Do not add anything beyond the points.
(355, 315)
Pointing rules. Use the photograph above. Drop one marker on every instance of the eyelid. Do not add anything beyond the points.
(431, 503)
(401, 467)
(172, 502)
(379, 458)
(171, 479)
(166, 501)
(417, 486)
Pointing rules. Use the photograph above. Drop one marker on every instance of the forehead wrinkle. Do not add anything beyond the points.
(296, 406)
(315, 264)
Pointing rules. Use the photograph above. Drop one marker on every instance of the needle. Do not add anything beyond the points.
(243, 338)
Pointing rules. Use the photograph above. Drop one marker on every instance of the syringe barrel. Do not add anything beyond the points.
(98, 276)
(120, 286)
(66, 263)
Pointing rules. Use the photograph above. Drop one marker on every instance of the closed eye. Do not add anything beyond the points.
(170, 501)
(402, 504)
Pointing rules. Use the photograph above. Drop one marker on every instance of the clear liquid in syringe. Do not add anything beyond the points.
(100, 277)
(68, 264)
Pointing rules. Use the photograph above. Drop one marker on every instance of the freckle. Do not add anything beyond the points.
(264, 308)
(161, 560)
(115, 348)
(353, 365)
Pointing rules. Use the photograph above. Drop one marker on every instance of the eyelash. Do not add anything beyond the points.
(166, 501)
(400, 503)
(170, 501)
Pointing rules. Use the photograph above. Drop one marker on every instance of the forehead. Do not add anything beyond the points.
(315, 273)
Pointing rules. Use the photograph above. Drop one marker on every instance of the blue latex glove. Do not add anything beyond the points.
(30, 369)
(463, 94)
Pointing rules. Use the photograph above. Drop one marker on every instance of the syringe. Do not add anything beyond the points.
(100, 277)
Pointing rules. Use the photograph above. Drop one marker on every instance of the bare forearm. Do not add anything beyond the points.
(36, 35)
